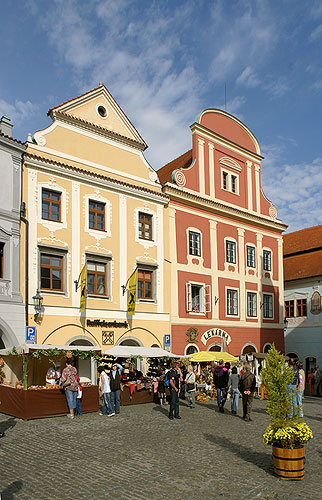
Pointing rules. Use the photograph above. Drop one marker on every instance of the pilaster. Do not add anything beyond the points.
(241, 257)
(201, 164)
(211, 170)
(257, 186)
(249, 185)
(214, 268)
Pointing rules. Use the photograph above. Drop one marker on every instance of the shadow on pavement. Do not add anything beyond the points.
(319, 419)
(258, 410)
(210, 406)
(162, 409)
(260, 459)
(9, 492)
(7, 424)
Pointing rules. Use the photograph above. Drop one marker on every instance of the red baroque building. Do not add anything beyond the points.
(226, 243)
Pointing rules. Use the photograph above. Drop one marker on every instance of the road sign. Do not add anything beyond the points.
(31, 334)
(167, 342)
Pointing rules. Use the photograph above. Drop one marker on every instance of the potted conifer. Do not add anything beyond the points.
(287, 433)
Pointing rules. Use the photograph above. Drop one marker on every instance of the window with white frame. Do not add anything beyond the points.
(251, 256)
(146, 283)
(251, 304)
(198, 298)
(267, 260)
(231, 251)
(97, 277)
(267, 306)
(52, 269)
(232, 302)
(229, 182)
(194, 243)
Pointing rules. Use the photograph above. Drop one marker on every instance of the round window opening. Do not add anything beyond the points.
(102, 111)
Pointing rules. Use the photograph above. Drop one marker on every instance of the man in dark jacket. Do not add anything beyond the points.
(221, 376)
(115, 385)
(247, 387)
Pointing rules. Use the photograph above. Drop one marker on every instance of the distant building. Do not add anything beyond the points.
(302, 295)
(225, 243)
(12, 309)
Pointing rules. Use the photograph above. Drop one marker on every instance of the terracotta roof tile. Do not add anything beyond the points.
(303, 240)
(302, 266)
(72, 99)
(182, 161)
(12, 139)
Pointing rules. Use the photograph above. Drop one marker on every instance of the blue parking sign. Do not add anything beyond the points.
(167, 340)
(31, 334)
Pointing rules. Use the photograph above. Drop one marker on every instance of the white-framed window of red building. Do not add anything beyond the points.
(198, 298)
(252, 304)
(267, 260)
(250, 256)
(268, 306)
(232, 301)
(231, 251)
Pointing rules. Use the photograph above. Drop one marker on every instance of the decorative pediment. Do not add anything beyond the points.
(230, 163)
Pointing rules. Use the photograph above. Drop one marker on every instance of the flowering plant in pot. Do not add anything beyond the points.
(286, 433)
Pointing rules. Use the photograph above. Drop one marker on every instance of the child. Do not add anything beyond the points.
(78, 409)
(161, 391)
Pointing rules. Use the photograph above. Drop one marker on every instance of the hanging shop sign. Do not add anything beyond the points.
(107, 324)
(215, 332)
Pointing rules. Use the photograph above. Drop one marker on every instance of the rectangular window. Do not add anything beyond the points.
(1, 260)
(51, 205)
(96, 278)
(267, 260)
(232, 302)
(252, 304)
(268, 306)
(51, 272)
(251, 256)
(96, 215)
(233, 184)
(145, 282)
(194, 243)
(231, 251)
(198, 298)
(224, 180)
(289, 309)
(145, 226)
(301, 307)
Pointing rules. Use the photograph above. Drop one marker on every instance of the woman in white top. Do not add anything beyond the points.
(190, 385)
(105, 390)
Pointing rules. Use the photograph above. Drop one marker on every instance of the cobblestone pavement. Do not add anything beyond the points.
(142, 455)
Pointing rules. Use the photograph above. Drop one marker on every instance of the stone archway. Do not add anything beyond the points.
(249, 349)
(86, 367)
(7, 337)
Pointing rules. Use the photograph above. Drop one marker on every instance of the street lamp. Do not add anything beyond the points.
(38, 299)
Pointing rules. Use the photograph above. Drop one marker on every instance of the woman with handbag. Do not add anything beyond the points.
(190, 384)
(70, 384)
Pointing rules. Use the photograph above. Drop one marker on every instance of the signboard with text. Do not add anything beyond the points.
(31, 334)
(167, 342)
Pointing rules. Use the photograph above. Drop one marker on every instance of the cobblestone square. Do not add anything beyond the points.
(142, 455)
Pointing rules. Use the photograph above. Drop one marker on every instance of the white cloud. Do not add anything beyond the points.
(316, 34)
(248, 78)
(278, 88)
(17, 112)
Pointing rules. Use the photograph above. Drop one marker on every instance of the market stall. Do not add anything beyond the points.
(23, 391)
(138, 387)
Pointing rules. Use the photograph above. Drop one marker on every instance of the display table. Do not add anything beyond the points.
(39, 403)
(138, 397)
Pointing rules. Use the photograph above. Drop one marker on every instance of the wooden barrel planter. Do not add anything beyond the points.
(289, 464)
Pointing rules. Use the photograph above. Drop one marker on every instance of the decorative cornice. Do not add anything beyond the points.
(84, 124)
(12, 143)
(189, 197)
(78, 174)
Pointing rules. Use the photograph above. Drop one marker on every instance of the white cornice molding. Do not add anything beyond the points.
(93, 178)
(222, 141)
(229, 162)
(185, 196)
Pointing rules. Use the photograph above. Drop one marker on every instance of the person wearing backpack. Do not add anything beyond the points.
(221, 376)
(174, 384)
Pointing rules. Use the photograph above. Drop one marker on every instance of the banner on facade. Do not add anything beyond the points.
(216, 332)
(132, 293)
(83, 279)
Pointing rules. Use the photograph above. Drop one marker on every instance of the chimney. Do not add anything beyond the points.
(6, 126)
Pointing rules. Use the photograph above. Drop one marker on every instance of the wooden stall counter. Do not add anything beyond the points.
(40, 403)
(137, 397)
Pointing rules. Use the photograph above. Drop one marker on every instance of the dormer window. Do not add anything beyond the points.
(229, 181)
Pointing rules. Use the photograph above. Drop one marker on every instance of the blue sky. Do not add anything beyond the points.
(165, 61)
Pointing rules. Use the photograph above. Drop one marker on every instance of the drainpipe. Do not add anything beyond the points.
(23, 219)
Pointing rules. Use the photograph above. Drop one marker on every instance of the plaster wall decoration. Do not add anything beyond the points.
(316, 307)
(229, 162)
(15, 242)
(179, 178)
(69, 263)
(272, 211)
(40, 139)
(146, 257)
(16, 163)
(5, 287)
(49, 224)
(52, 240)
(98, 248)
(213, 333)
(34, 260)
(153, 176)
(95, 233)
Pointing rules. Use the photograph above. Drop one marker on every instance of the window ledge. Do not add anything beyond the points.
(53, 292)
(97, 296)
(147, 301)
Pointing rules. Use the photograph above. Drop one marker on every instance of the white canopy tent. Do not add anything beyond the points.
(26, 348)
(125, 351)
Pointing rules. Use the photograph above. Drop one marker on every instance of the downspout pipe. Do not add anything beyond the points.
(23, 219)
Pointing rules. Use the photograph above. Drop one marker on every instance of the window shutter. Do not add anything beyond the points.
(207, 298)
(188, 297)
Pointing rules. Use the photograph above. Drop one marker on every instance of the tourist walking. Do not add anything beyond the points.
(221, 376)
(247, 387)
(105, 390)
(300, 388)
(190, 387)
(311, 380)
(291, 389)
(233, 384)
(318, 382)
(174, 384)
(69, 382)
(115, 384)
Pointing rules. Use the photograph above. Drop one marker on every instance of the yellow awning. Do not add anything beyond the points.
(203, 356)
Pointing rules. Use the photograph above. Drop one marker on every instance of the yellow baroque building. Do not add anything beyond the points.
(92, 198)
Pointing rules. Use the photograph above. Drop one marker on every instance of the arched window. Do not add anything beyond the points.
(191, 349)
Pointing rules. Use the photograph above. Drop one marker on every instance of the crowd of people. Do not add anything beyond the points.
(181, 378)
